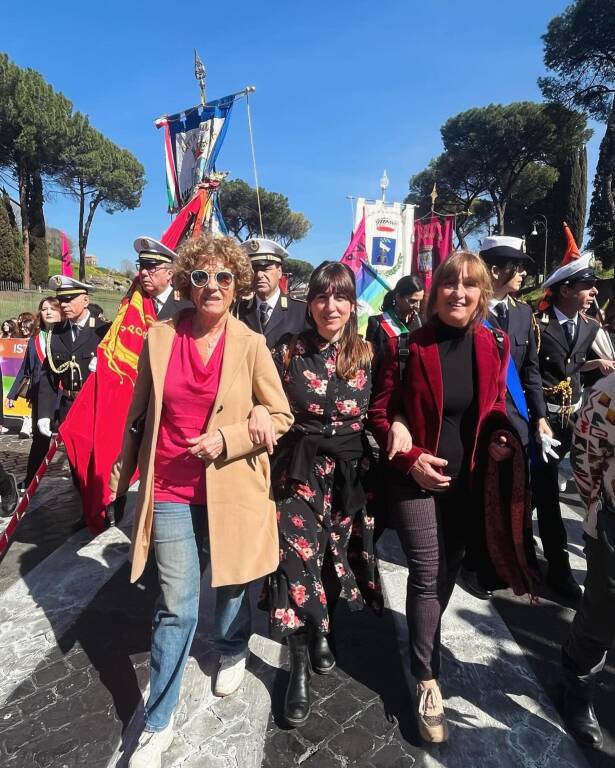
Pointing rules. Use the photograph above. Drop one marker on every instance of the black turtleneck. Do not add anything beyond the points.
(459, 407)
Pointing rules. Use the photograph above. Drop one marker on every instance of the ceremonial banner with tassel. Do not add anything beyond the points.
(94, 427)
(571, 253)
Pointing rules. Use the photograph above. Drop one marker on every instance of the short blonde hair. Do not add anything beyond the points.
(208, 249)
(451, 269)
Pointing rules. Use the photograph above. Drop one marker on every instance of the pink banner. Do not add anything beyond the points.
(67, 267)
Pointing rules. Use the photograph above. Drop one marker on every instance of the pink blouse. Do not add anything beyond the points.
(190, 389)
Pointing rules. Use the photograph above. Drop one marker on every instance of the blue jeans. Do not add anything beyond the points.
(181, 545)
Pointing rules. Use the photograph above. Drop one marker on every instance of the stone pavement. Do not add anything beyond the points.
(74, 636)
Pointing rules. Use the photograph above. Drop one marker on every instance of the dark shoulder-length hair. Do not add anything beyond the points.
(335, 277)
(406, 286)
(450, 270)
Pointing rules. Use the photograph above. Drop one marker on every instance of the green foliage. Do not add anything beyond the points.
(509, 151)
(580, 50)
(299, 270)
(98, 173)
(239, 207)
(39, 259)
(11, 259)
(601, 222)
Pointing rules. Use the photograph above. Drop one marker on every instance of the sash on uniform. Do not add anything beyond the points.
(513, 383)
(393, 326)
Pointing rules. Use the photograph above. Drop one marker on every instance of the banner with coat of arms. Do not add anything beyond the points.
(389, 230)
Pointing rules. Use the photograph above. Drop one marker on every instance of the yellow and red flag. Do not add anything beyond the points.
(571, 253)
(94, 427)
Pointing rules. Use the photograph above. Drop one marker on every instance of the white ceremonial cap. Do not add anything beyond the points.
(576, 271)
(68, 286)
(263, 251)
(153, 250)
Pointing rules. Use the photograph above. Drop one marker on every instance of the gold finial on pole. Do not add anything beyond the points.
(434, 195)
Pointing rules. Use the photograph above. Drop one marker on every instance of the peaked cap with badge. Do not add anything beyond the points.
(153, 250)
(262, 252)
(577, 271)
(68, 287)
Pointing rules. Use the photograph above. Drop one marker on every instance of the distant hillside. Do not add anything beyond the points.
(102, 277)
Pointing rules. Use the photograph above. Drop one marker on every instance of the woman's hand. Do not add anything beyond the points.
(260, 428)
(499, 450)
(425, 472)
(208, 446)
(399, 439)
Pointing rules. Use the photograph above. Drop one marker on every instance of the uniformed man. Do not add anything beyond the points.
(566, 337)
(270, 311)
(155, 270)
(71, 352)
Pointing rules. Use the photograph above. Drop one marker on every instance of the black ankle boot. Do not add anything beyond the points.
(9, 494)
(297, 699)
(581, 720)
(321, 657)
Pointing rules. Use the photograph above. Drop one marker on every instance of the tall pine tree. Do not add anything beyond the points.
(39, 259)
(601, 222)
(11, 258)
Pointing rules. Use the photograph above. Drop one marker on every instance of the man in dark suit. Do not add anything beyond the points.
(155, 270)
(566, 338)
(71, 352)
(270, 311)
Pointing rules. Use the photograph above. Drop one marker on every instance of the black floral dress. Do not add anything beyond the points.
(320, 473)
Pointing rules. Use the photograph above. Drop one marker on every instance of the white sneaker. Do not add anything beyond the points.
(151, 745)
(230, 674)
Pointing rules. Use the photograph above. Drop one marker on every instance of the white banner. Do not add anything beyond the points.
(389, 229)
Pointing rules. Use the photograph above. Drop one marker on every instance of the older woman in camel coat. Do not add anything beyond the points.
(204, 483)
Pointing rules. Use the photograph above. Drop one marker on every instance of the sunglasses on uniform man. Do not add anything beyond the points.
(149, 266)
(200, 278)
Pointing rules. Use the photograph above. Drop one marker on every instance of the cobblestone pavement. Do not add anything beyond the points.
(74, 639)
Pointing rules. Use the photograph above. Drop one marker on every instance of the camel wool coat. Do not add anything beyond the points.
(241, 512)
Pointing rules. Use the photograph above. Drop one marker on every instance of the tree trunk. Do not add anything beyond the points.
(22, 180)
(81, 242)
(83, 238)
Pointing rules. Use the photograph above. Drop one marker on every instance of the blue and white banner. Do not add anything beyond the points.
(193, 141)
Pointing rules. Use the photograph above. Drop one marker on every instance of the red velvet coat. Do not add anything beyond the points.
(421, 399)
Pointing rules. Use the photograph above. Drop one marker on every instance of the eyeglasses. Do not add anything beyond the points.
(149, 266)
(200, 278)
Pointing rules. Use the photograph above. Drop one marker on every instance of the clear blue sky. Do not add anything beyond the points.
(344, 90)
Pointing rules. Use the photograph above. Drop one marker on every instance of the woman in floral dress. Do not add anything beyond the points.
(318, 471)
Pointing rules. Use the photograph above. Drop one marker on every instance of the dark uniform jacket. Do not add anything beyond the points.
(173, 305)
(557, 359)
(288, 316)
(524, 354)
(57, 392)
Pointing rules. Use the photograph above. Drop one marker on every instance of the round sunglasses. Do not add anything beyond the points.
(200, 278)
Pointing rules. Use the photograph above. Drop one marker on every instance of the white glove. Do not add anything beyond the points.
(92, 365)
(44, 427)
(548, 444)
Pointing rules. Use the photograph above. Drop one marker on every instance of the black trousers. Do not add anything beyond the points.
(545, 489)
(433, 532)
(39, 446)
(592, 632)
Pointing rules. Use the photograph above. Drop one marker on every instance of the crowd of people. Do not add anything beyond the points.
(274, 443)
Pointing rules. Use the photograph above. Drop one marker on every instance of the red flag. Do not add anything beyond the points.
(94, 427)
(571, 253)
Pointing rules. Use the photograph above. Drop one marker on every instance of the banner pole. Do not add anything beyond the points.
(22, 506)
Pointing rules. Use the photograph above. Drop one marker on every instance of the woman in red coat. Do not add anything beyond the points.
(454, 380)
